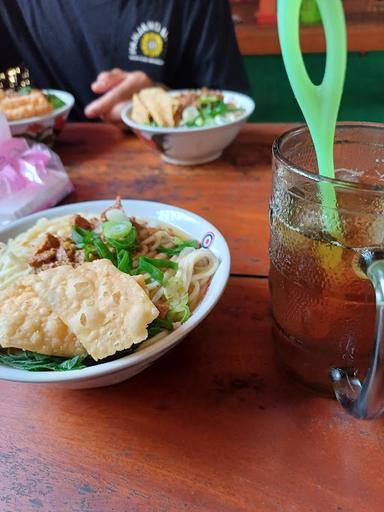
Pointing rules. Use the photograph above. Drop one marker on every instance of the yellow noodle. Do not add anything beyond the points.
(196, 266)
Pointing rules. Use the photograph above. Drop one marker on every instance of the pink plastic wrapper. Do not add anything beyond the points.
(32, 176)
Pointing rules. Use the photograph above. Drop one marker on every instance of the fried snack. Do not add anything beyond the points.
(16, 106)
(28, 323)
(106, 309)
(140, 114)
(160, 104)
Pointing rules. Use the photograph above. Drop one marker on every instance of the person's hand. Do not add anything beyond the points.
(117, 87)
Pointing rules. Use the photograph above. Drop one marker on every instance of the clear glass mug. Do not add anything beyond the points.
(327, 289)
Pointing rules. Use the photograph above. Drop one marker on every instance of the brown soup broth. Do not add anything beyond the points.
(323, 306)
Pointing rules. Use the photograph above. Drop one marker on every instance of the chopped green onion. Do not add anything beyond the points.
(89, 252)
(82, 236)
(219, 109)
(208, 99)
(161, 263)
(77, 238)
(116, 215)
(116, 230)
(103, 251)
(151, 266)
(175, 251)
(146, 267)
(127, 243)
(199, 121)
(124, 261)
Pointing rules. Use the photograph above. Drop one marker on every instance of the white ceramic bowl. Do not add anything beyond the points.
(104, 374)
(192, 146)
(45, 128)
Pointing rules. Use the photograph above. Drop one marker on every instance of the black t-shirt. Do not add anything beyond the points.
(66, 43)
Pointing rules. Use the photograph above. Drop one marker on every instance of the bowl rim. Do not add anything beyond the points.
(69, 102)
(125, 115)
(145, 354)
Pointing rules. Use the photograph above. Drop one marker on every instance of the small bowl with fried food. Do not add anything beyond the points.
(187, 127)
(36, 114)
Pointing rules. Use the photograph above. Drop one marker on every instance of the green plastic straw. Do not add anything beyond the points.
(319, 103)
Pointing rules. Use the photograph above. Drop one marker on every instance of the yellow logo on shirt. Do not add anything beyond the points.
(148, 43)
(151, 44)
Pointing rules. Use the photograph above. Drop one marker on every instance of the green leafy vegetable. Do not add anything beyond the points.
(75, 363)
(159, 325)
(55, 101)
(153, 331)
(24, 91)
(179, 313)
(32, 361)
(103, 251)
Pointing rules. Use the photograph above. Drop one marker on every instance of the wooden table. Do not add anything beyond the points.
(213, 426)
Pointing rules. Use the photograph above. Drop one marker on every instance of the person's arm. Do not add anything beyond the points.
(116, 87)
(212, 47)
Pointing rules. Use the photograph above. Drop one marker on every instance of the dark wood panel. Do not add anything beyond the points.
(263, 40)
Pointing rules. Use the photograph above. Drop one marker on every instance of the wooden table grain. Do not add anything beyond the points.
(215, 425)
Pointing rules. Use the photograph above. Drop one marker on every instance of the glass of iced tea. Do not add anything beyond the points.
(327, 285)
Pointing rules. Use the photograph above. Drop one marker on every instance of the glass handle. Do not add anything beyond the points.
(366, 401)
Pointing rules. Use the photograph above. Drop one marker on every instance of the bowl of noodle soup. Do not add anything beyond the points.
(202, 269)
